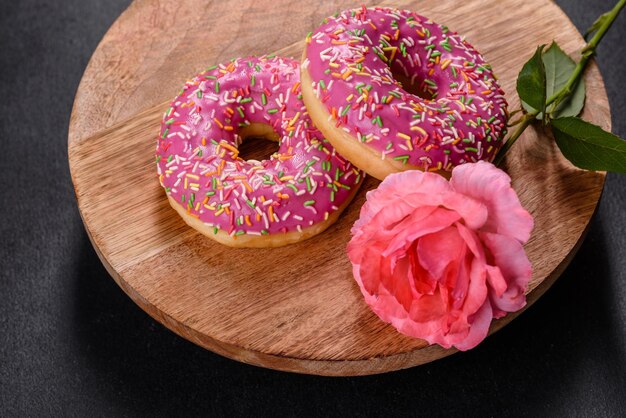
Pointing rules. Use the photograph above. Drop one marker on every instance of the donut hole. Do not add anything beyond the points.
(417, 88)
(258, 142)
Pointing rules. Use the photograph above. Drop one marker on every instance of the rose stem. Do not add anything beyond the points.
(587, 52)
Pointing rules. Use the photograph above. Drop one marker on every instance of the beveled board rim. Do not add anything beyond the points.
(294, 364)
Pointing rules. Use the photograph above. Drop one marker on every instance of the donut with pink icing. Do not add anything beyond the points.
(393, 90)
(296, 193)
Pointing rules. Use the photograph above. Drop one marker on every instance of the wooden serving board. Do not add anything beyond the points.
(295, 308)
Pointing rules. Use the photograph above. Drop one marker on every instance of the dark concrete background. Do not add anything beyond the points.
(73, 344)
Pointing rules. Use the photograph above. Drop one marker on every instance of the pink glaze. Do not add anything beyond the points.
(197, 156)
(352, 58)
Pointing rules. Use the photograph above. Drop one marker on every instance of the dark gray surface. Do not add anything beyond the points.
(72, 343)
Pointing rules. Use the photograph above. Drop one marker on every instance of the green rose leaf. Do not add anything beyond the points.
(588, 146)
(531, 81)
(559, 67)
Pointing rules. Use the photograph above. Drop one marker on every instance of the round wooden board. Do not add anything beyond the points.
(295, 308)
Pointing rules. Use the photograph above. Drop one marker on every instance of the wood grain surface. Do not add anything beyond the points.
(294, 308)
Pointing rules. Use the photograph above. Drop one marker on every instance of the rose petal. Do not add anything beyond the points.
(422, 281)
(371, 268)
(496, 280)
(491, 186)
(403, 282)
(396, 187)
(383, 304)
(428, 308)
(408, 182)
(380, 230)
(397, 281)
(510, 258)
(477, 290)
(473, 212)
(478, 329)
(417, 225)
(388, 309)
(383, 220)
(438, 250)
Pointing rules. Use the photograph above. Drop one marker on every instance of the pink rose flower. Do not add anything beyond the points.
(440, 259)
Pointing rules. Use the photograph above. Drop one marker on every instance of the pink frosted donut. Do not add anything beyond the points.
(353, 72)
(296, 193)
